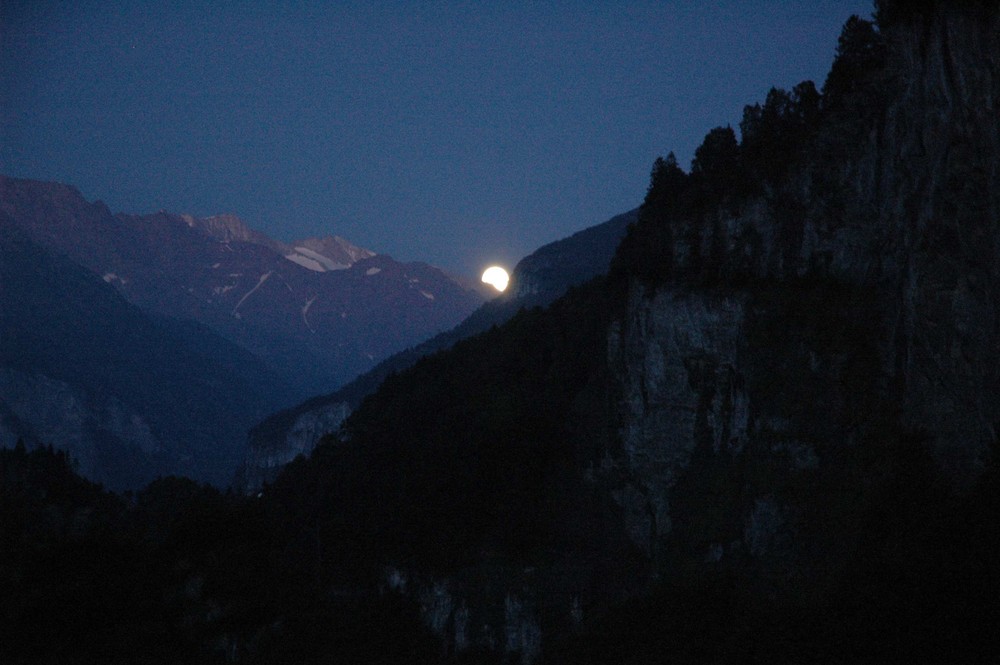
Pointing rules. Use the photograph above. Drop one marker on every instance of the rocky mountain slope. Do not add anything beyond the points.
(199, 329)
(536, 281)
(129, 395)
(319, 311)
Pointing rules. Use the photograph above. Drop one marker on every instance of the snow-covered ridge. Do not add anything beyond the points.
(314, 261)
(316, 254)
(325, 254)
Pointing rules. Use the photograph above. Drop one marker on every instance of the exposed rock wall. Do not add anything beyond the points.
(938, 192)
(680, 379)
(734, 406)
(269, 451)
(482, 609)
(868, 312)
(100, 434)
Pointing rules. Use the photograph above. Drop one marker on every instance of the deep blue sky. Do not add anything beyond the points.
(459, 133)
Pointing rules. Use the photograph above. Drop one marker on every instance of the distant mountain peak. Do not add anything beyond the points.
(327, 253)
(317, 254)
(228, 228)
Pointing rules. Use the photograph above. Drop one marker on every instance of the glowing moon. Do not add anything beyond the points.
(497, 277)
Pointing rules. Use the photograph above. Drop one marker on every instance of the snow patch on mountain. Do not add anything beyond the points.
(314, 261)
(306, 262)
(111, 278)
(305, 312)
(260, 282)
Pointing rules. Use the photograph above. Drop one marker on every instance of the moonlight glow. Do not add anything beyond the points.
(497, 277)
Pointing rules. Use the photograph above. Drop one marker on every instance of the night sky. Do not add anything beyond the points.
(458, 133)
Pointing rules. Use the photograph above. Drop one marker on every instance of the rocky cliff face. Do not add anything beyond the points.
(549, 271)
(866, 311)
(938, 195)
(104, 437)
(270, 445)
(682, 385)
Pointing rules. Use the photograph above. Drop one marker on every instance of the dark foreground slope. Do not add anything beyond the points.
(180, 573)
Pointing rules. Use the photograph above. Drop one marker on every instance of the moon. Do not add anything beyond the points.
(497, 277)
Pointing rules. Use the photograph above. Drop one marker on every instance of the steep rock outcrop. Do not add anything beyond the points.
(550, 270)
(902, 200)
(938, 194)
(268, 451)
(110, 443)
(682, 385)
(857, 306)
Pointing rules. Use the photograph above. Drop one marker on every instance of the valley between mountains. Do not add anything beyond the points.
(755, 420)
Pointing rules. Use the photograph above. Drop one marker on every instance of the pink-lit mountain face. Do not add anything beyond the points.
(318, 311)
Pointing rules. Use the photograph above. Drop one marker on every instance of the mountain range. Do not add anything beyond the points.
(319, 311)
(284, 321)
